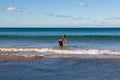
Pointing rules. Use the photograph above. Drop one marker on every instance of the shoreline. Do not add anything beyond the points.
(14, 58)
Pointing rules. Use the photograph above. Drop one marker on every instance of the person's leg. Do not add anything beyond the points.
(60, 43)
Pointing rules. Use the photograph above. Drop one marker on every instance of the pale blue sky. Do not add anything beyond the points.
(59, 13)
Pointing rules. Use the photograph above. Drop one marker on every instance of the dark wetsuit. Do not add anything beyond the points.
(61, 41)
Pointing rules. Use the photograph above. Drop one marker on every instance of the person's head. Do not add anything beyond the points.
(64, 36)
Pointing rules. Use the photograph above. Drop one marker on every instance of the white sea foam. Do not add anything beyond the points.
(93, 53)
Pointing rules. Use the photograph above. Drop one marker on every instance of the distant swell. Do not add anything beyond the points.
(58, 36)
(27, 52)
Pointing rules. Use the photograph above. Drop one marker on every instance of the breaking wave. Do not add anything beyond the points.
(48, 52)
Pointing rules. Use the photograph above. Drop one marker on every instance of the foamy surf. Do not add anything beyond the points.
(48, 52)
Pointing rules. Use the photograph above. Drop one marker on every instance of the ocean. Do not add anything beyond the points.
(83, 42)
(92, 54)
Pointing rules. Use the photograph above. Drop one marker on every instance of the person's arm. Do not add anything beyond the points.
(66, 41)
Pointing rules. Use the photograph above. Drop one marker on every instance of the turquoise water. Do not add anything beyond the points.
(44, 41)
(79, 38)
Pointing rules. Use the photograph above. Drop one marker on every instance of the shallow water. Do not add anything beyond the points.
(60, 69)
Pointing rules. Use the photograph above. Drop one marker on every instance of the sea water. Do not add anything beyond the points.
(100, 46)
(85, 41)
(60, 69)
(85, 38)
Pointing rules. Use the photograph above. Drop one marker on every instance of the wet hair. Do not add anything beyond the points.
(64, 35)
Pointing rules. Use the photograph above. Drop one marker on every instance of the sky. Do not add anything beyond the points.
(59, 13)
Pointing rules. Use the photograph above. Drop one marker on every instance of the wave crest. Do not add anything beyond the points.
(49, 50)
(27, 52)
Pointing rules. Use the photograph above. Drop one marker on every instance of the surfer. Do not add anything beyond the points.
(63, 39)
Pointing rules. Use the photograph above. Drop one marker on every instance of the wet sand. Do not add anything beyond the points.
(7, 58)
(14, 58)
